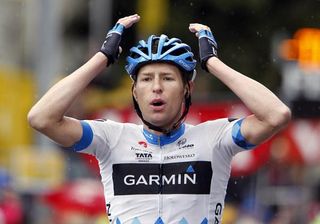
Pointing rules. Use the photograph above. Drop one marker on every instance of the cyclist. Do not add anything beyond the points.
(163, 171)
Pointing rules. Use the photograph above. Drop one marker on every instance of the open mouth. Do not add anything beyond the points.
(157, 104)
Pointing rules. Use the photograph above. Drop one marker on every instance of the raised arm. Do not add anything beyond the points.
(269, 113)
(48, 114)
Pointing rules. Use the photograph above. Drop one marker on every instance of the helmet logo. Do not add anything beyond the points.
(183, 64)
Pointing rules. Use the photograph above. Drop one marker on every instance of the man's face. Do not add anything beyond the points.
(159, 91)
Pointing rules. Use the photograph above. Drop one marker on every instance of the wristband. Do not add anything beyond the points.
(207, 47)
(110, 47)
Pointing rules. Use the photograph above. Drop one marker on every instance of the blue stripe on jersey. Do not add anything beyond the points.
(238, 137)
(136, 221)
(164, 139)
(86, 139)
(159, 221)
(204, 221)
(183, 221)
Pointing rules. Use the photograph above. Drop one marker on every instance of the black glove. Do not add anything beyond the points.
(207, 47)
(110, 47)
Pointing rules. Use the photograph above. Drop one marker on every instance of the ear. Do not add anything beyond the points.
(189, 88)
(134, 92)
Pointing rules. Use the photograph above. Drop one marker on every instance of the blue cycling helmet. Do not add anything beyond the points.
(161, 49)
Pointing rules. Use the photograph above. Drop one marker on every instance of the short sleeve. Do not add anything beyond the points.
(86, 138)
(98, 137)
(231, 138)
(237, 136)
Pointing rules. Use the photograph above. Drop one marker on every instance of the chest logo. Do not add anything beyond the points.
(162, 178)
(182, 144)
(143, 156)
(143, 143)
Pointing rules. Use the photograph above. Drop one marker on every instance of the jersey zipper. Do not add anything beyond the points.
(160, 201)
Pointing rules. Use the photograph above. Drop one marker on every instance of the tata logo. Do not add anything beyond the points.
(143, 156)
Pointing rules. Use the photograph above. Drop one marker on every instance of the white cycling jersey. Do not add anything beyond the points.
(179, 178)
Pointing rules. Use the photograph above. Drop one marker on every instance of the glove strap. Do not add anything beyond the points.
(118, 28)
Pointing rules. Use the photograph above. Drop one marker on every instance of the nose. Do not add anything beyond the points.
(157, 85)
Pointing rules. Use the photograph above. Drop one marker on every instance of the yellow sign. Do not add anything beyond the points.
(154, 14)
(36, 169)
(16, 97)
(303, 48)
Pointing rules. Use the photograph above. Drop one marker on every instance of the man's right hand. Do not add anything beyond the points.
(207, 43)
(111, 46)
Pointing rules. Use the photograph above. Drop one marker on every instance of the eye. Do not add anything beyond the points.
(168, 78)
(145, 79)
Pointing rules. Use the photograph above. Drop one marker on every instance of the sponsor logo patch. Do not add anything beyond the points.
(169, 178)
(143, 143)
(143, 156)
(182, 144)
(172, 157)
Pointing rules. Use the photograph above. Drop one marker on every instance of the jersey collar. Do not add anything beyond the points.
(162, 140)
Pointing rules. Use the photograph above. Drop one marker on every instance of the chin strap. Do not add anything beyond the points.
(187, 99)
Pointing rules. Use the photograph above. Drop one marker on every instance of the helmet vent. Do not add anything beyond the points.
(178, 52)
(189, 59)
(134, 55)
(144, 50)
(155, 46)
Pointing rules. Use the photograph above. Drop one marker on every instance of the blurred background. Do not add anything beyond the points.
(275, 42)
